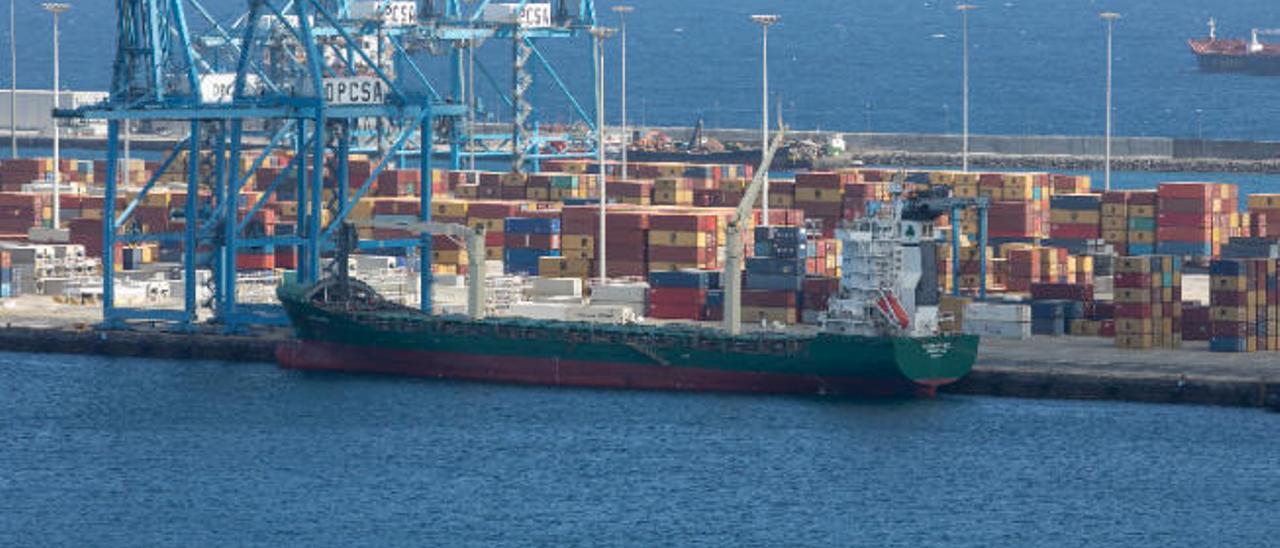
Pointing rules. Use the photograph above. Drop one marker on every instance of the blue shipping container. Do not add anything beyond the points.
(1226, 268)
(774, 282)
(1228, 344)
(688, 279)
(1142, 249)
(1192, 249)
(520, 225)
(767, 265)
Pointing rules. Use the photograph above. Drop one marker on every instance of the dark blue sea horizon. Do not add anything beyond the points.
(881, 65)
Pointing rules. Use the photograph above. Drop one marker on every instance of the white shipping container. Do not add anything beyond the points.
(556, 287)
(620, 293)
(602, 314)
(997, 312)
(998, 329)
(540, 311)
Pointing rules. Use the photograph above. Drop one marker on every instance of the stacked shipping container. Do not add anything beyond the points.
(1148, 299)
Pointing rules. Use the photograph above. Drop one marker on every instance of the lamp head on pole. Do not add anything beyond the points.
(765, 20)
(1109, 16)
(966, 7)
(603, 33)
(623, 9)
(56, 7)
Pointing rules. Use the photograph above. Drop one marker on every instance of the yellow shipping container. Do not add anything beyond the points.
(1115, 236)
(1016, 194)
(1229, 314)
(825, 195)
(449, 208)
(577, 242)
(1135, 326)
(1264, 201)
(1115, 210)
(1147, 211)
(578, 253)
(454, 256)
(1142, 236)
(655, 266)
(1135, 342)
(754, 314)
(1115, 223)
(1128, 295)
(1074, 217)
(676, 238)
(946, 178)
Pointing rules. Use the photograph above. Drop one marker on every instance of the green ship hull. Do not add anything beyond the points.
(397, 340)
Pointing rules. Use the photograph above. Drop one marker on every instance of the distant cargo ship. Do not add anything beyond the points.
(1250, 56)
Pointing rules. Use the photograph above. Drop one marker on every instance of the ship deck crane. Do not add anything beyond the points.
(732, 275)
(474, 241)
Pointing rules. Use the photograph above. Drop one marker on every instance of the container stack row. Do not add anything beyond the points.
(1148, 302)
(1243, 302)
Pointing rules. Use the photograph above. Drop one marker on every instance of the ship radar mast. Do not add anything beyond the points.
(1213, 29)
(1254, 44)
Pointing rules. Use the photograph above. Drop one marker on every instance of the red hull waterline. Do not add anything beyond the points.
(324, 356)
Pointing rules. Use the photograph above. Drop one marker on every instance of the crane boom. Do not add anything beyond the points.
(732, 275)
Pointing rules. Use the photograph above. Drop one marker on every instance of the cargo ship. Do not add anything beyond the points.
(1250, 56)
(880, 337)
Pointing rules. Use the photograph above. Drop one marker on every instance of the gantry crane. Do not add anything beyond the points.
(309, 77)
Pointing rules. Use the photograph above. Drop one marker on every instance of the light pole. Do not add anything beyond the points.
(765, 21)
(601, 34)
(13, 77)
(964, 10)
(622, 12)
(1110, 18)
(56, 8)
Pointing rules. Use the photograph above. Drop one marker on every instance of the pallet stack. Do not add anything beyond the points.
(1148, 300)
(1243, 301)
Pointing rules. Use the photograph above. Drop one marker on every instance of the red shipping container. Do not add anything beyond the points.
(1143, 197)
(1133, 310)
(620, 268)
(1075, 231)
(1197, 191)
(677, 296)
(1187, 220)
(819, 179)
(683, 222)
(675, 311)
(1131, 280)
(1193, 234)
(769, 299)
